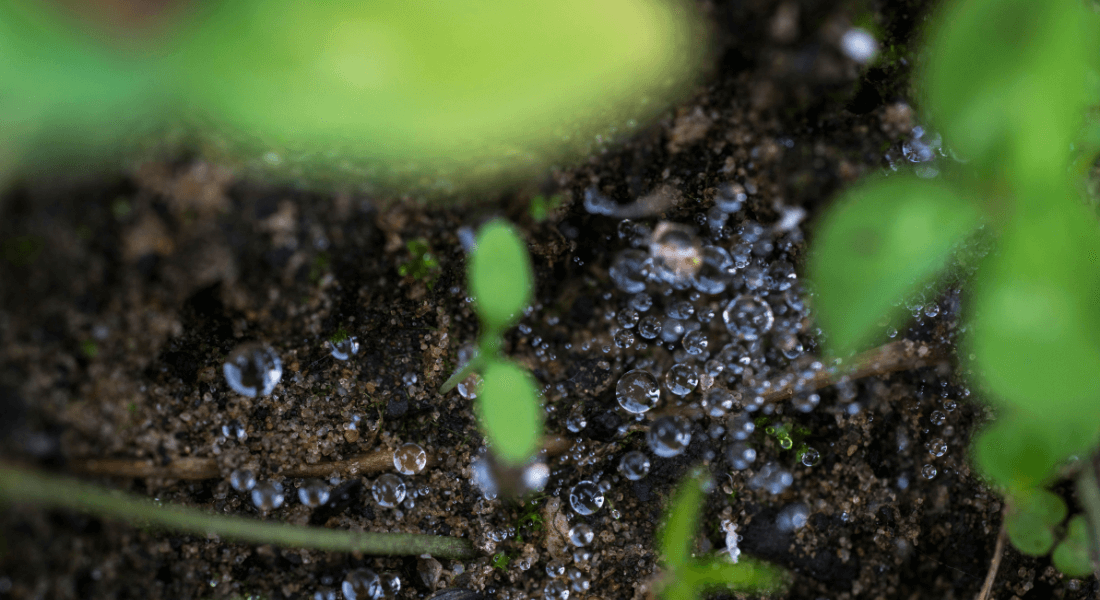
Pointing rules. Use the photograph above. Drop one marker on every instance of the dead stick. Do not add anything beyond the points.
(990, 577)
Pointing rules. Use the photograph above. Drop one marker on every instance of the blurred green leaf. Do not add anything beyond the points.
(1072, 554)
(880, 242)
(678, 534)
(1034, 330)
(1029, 534)
(746, 575)
(500, 275)
(1020, 453)
(467, 87)
(510, 411)
(1007, 81)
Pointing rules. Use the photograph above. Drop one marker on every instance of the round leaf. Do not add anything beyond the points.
(1072, 554)
(500, 275)
(1021, 454)
(510, 411)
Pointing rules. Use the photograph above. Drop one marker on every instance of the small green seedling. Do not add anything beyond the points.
(687, 578)
(1008, 83)
(509, 406)
(422, 264)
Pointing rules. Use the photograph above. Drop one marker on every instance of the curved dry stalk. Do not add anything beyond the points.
(991, 576)
(22, 485)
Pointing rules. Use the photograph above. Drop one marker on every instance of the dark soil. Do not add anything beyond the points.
(120, 299)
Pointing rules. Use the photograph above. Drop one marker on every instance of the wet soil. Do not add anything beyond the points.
(121, 297)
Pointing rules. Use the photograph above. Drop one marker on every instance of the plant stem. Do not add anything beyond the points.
(22, 485)
(462, 373)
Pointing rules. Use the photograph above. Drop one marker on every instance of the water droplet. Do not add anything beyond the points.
(409, 459)
(388, 490)
(928, 472)
(313, 493)
(937, 447)
(409, 378)
(253, 369)
(268, 495)
(730, 197)
(676, 253)
(669, 435)
(742, 427)
(695, 343)
(771, 478)
(628, 317)
(362, 584)
(637, 391)
(576, 422)
(634, 465)
(234, 430)
(805, 402)
(556, 590)
(555, 568)
(641, 302)
(242, 480)
(681, 379)
(391, 585)
(810, 457)
(624, 338)
(578, 580)
(345, 348)
(585, 498)
(793, 517)
(748, 317)
(629, 270)
(535, 476)
(680, 310)
(718, 401)
(937, 417)
(649, 327)
(581, 555)
(740, 456)
(859, 45)
(581, 535)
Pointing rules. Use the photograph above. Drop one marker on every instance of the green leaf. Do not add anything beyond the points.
(1072, 554)
(746, 575)
(1021, 453)
(500, 275)
(1034, 331)
(468, 87)
(877, 245)
(679, 532)
(1028, 533)
(1007, 81)
(510, 411)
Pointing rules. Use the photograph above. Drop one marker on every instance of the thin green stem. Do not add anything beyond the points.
(461, 374)
(21, 485)
(487, 348)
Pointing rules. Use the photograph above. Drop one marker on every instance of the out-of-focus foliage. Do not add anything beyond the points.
(1008, 83)
(398, 92)
(500, 275)
(510, 411)
(688, 578)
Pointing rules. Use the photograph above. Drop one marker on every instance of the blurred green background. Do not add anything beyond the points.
(423, 94)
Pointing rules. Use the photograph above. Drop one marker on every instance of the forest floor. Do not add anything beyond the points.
(121, 298)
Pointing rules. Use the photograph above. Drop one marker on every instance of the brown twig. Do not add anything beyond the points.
(895, 356)
(991, 576)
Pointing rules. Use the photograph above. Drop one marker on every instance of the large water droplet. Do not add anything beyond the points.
(793, 517)
(362, 584)
(637, 391)
(695, 342)
(810, 457)
(676, 253)
(242, 480)
(740, 456)
(388, 490)
(669, 435)
(718, 401)
(629, 270)
(253, 369)
(634, 465)
(268, 495)
(409, 459)
(585, 498)
(748, 317)
(581, 535)
(345, 348)
(391, 585)
(681, 379)
(649, 327)
(313, 493)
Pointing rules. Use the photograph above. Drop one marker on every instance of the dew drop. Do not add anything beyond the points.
(748, 317)
(242, 480)
(637, 391)
(313, 493)
(410, 459)
(268, 495)
(669, 436)
(580, 535)
(810, 457)
(388, 490)
(585, 498)
(928, 472)
(362, 584)
(634, 465)
(345, 348)
(253, 369)
(681, 379)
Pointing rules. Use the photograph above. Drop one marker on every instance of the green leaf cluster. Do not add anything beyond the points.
(688, 577)
(508, 402)
(1008, 83)
(422, 264)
